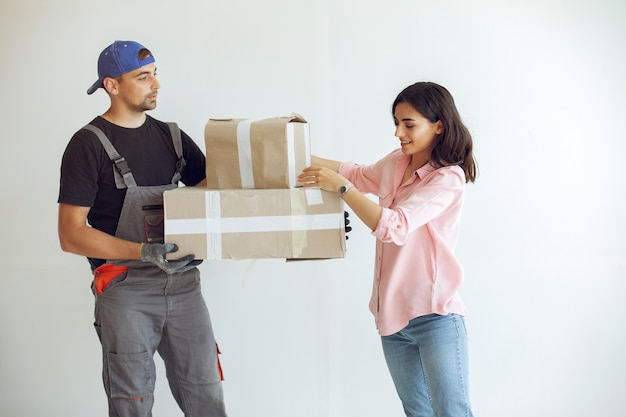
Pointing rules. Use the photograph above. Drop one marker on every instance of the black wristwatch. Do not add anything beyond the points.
(344, 189)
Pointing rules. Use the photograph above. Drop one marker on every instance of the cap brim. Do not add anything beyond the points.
(95, 86)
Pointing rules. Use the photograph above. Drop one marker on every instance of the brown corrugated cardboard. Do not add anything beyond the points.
(261, 154)
(292, 223)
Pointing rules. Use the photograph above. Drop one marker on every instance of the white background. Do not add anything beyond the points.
(540, 85)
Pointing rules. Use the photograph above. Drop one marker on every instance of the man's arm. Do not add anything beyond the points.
(76, 236)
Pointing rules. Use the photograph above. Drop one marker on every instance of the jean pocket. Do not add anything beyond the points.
(131, 376)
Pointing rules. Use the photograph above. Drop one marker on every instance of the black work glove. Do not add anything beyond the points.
(155, 253)
(347, 222)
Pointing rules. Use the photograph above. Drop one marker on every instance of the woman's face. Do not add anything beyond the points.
(416, 133)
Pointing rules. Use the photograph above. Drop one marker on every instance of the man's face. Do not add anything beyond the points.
(138, 89)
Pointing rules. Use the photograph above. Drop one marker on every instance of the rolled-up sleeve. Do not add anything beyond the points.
(415, 270)
(438, 193)
(366, 178)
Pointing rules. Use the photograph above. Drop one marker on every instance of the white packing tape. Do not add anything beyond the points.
(291, 154)
(307, 144)
(244, 151)
(219, 226)
(303, 129)
(212, 222)
(313, 196)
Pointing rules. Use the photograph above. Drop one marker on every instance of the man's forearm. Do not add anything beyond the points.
(93, 243)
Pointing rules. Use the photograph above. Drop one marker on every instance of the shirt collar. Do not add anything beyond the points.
(425, 170)
(421, 172)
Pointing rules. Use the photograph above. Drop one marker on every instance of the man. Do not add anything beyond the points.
(113, 175)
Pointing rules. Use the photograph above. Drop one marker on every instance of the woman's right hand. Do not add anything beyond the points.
(322, 177)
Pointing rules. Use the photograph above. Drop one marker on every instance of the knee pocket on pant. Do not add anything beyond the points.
(131, 376)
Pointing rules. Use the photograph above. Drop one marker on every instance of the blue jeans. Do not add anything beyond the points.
(428, 362)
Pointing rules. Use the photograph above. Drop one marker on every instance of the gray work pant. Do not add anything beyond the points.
(137, 316)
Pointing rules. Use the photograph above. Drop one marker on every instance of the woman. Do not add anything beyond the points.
(420, 186)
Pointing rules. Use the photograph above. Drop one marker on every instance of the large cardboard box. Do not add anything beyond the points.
(292, 223)
(261, 154)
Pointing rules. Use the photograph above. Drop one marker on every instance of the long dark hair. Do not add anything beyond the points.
(454, 145)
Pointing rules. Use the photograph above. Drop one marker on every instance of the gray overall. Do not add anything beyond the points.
(145, 310)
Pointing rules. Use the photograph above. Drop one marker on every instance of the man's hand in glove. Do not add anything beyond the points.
(155, 253)
(347, 222)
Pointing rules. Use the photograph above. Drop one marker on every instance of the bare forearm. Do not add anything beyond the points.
(76, 236)
(93, 243)
(364, 208)
(327, 179)
(326, 163)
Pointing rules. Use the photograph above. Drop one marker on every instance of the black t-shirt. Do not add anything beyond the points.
(87, 172)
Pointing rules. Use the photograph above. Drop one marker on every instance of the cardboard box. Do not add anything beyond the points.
(261, 154)
(292, 223)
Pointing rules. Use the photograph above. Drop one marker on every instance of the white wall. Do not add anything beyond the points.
(539, 83)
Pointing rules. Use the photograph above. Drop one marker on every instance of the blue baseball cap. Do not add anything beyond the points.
(119, 58)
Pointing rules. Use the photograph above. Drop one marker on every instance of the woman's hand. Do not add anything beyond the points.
(330, 180)
(324, 178)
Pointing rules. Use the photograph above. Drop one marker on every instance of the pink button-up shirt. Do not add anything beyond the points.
(416, 272)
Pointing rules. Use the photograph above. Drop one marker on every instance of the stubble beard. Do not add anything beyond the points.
(147, 105)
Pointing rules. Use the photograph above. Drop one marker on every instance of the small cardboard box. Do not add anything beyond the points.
(294, 223)
(261, 154)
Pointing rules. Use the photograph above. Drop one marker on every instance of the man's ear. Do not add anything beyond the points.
(110, 85)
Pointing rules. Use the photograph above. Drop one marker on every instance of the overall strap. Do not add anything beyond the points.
(178, 147)
(119, 161)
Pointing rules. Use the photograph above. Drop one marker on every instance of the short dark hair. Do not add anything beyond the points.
(143, 54)
(454, 145)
